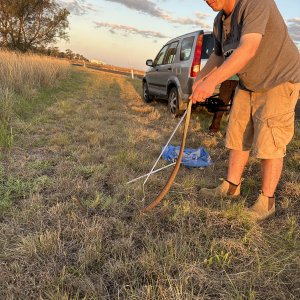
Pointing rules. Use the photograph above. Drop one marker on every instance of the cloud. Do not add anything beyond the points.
(144, 6)
(126, 30)
(294, 29)
(150, 8)
(198, 21)
(77, 7)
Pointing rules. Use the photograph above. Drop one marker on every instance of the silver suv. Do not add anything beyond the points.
(171, 75)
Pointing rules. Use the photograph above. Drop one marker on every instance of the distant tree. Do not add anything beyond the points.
(80, 57)
(61, 54)
(54, 51)
(30, 24)
(69, 54)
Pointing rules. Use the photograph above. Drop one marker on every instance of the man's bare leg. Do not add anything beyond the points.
(231, 186)
(271, 172)
(237, 162)
(264, 207)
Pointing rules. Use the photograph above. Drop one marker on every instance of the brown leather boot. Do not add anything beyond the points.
(263, 208)
(224, 189)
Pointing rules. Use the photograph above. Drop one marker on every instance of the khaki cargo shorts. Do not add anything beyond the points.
(263, 121)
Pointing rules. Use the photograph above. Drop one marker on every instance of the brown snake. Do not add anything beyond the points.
(172, 177)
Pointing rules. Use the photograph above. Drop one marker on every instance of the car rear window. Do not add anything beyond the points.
(207, 46)
(186, 48)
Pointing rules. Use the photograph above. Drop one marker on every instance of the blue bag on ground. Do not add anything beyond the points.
(191, 157)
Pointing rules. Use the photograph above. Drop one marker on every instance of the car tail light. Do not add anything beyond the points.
(197, 57)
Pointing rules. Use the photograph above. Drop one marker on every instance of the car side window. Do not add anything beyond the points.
(171, 53)
(161, 55)
(207, 46)
(186, 48)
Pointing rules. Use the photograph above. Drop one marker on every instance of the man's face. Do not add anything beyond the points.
(216, 5)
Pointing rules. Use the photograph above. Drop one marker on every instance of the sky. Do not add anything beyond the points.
(128, 32)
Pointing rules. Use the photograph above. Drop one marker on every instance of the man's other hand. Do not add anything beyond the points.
(202, 89)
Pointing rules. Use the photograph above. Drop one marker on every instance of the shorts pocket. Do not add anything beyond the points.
(282, 128)
(286, 89)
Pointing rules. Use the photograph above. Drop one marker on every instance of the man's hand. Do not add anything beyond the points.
(202, 89)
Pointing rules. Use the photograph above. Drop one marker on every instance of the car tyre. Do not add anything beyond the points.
(173, 103)
(146, 95)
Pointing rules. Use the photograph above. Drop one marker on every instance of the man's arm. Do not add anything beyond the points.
(235, 63)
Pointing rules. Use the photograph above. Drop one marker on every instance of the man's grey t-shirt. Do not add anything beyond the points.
(277, 59)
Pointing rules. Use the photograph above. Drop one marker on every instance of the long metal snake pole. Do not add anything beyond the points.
(172, 177)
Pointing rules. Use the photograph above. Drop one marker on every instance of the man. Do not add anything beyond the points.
(251, 40)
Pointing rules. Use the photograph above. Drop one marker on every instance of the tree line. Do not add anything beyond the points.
(33, 25)
(56, 52)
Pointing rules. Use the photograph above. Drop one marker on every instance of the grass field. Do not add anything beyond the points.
(69, 228)
(21, 76)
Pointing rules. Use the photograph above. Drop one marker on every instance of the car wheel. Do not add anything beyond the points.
(173, 103)
(146, 95)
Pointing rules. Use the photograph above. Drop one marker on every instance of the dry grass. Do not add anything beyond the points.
(68, 223)
(21, 75)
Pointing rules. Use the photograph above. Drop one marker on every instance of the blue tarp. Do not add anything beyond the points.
(191, 157)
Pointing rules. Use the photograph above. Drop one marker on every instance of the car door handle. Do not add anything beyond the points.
(170, 69)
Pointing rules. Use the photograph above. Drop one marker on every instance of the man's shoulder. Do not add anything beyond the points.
(255, 3)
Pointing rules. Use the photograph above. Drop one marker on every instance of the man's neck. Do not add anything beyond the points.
(228, 7)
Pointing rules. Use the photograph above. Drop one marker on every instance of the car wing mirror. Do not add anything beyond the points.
(149, 63)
